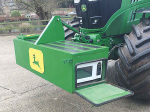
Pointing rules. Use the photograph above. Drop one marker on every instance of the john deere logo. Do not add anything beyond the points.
(36, 60)
(83, 7)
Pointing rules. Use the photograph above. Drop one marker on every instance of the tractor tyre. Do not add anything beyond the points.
(133, 67)
(69, 33)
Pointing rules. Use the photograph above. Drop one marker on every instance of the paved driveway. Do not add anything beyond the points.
(23, 91)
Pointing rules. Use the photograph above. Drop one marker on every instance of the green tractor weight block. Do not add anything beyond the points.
(72, 66)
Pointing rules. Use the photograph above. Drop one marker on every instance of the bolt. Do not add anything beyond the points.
(98, 40)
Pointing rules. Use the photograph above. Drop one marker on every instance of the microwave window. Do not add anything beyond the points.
(84, 72)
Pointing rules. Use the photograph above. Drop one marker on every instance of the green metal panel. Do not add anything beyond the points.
(119, 23)
(50, 33)
(124, 17)
(28, 36)
(102, 93)
(59, 58)
(54, 59)
(55, 70)
(70, 27)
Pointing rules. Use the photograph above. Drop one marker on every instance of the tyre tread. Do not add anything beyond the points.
(121, 73)
(140, 55)
(142, 42)
(129, 45)
(138, 77)
(137, 31)
(124, 60)
(140, 70)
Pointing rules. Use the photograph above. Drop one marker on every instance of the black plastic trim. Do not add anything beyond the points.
(143, 10)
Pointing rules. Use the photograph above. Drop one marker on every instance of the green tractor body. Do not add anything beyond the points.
(106, 21)
(80, 65)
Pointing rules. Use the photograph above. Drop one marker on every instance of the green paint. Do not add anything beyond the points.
(50, 33)
(123, 19)
(61, 57)
(102, 93)
(29, 36)
(118, 24)
(67, 61)
(60, 62)
(98, 40)
(55, 71)
(68, 26)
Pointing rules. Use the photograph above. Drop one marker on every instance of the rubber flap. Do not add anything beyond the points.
(102, 93)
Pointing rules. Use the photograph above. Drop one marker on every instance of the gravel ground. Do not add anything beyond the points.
(23, 91)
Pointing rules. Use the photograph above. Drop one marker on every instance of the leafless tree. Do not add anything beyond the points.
(65, 3)
(42, 8)
(1, 6)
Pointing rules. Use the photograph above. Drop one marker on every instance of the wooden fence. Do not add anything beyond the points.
(8, 26)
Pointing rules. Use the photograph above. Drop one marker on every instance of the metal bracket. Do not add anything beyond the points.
(53, 32)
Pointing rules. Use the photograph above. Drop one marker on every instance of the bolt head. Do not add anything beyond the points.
(98, 40)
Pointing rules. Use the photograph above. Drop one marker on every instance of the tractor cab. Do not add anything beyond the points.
(93, 14)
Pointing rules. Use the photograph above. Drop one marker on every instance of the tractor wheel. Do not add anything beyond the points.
(69, 33)
(133, 67)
